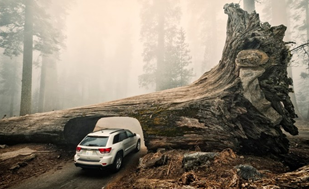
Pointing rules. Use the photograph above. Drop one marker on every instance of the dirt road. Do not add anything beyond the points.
(69, 176)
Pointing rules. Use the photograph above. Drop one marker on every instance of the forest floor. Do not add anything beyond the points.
(20, 162)
(222, 171)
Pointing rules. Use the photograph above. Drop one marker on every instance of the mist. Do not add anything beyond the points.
(101, 58)
(104, 52)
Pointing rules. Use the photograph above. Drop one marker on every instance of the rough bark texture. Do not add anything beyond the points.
(240, 104)
(25, 104)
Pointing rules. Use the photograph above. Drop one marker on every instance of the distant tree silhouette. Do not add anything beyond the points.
(27, 26)
(159, 34)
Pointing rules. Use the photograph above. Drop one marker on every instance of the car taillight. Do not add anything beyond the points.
(78, 148)
(105, 150)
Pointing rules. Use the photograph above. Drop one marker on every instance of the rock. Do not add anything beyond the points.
(15, 167)
(152, 160)
(192, 161)
(248, 172)
(14, 153)
(2, 146)
(22, 164)
(29, 157)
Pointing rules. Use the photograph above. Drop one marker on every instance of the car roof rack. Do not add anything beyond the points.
(115, 130)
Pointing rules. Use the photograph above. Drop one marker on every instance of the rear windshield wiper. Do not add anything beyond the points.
(92, 145)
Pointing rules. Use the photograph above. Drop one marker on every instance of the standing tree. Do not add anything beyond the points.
(204, 33)
(25, 23)
(159, 27)
(301, 10)
(177, 57)
(119, 83)
(9, 85)
(55, 12)
(25, 103)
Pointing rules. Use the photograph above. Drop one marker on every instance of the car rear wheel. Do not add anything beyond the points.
(138, 146)
(117, 162)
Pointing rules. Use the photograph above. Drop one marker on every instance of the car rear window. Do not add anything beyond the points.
(94, 141)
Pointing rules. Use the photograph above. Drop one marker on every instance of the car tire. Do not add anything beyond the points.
(116, 166)
(138, 146)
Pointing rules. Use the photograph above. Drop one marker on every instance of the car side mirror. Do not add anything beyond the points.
(134, 134)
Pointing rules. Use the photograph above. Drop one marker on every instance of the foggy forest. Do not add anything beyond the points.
(88, 52)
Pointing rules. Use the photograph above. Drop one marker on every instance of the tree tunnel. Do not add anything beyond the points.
(76, 129)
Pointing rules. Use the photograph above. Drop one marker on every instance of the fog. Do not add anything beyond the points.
(102, 57)
(104, 52)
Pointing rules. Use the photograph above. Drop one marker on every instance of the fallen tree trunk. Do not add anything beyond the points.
(241, 104)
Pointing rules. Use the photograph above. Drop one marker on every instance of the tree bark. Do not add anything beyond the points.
(42, 93)
(25, 105)
(242, 103)
(307, 29)
(160, 76)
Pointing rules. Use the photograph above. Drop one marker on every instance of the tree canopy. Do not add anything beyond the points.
(47, 36)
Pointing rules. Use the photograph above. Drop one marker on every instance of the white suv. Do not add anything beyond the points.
(106, 147)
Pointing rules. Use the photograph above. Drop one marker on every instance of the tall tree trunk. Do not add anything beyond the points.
(52, 85)
(307, 28)
(48, 95)
(13, 89)
(249, 5)
(25, 105)
(42, 84)
(160, 76)
(242, 103)
(307, 19)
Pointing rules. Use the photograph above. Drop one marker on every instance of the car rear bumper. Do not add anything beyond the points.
(103, 162)
(84, 166)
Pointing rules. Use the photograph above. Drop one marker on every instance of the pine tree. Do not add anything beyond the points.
(178, 59)
(25, 26)
(159, 32)
(9, 86)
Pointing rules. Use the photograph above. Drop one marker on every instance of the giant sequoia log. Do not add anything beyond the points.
(242, 103)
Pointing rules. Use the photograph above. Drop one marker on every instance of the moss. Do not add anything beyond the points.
(160, 121)
(169, 132)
